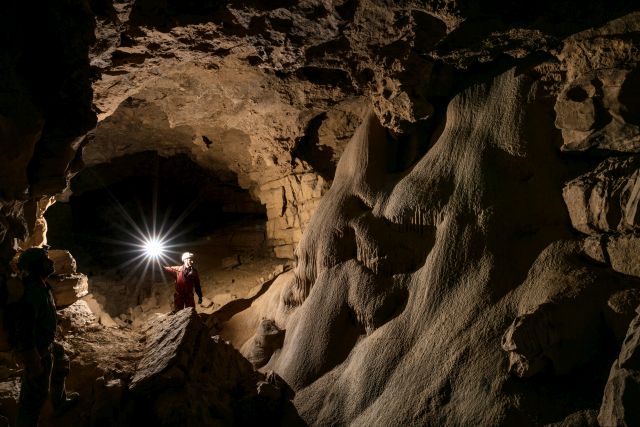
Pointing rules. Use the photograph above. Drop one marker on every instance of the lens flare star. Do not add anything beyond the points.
(154, 248)
(148, 243)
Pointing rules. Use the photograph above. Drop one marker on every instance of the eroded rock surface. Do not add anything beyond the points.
(45, 109)
(597, 109)
(68, 285)
(267, 339)
(362, 316)
(623, 387)
(186, 377)
(606, 199)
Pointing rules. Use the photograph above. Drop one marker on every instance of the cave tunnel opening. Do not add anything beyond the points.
(203, 212)
(108, 202)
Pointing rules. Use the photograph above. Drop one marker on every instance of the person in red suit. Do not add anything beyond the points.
(187, 281)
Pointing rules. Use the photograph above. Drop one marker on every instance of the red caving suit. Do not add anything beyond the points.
(186, 283)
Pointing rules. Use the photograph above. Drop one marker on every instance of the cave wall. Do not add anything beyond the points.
(493, 279)
(132, 195)
(45, 109)
(271, 93)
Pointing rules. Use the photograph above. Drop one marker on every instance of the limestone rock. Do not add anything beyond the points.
(624, 253)
(619, 406)
(230, 262)
(63, 262)
(107, 321)
(443, 222)
(541, 341)
(594, 248)
(37, 225)
(188, 378)
(290, 203)
(265, 341)
(596, 110)
(77, 316)
(547, 337)
(588, 418)
(620, 311)
(606, 199)
(364, 314)
(593, 110)
(61, 99)
(206, 302)
(68, 288)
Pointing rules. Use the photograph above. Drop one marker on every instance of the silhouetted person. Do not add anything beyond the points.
(187, 280)
(44, 361)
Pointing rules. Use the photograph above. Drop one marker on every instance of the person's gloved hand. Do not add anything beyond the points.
(199, 300)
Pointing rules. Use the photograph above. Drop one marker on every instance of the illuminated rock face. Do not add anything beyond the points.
(263, 95)
(179, 350)
(452, 289)
(470, 259)
(68, 285)
(623, 386)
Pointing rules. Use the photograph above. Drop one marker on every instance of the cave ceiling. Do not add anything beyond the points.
(244, 86)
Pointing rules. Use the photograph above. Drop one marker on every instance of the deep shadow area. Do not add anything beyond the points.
(113, 204)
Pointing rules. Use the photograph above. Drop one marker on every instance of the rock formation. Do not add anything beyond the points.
(410, 276)
(623, 386)
(458, 183)
(186, 377)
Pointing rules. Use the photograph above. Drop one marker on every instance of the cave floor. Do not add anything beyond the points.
(103, 333)
(122, 298)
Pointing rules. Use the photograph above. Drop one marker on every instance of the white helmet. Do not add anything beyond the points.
(186, 255)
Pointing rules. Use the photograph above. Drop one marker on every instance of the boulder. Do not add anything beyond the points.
(267, 339)
(77, 316)
(594, 248)
(68, 288)
(622, 393)
(624, 254)
(188, 378)
(63, 262)
(106, 320)
(597, 111)
(606, 199)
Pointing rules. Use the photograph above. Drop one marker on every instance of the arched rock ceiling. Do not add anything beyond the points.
(263, 95)
(242, 84)
(314, 53)
(234, 119)
(284, 82)
(268, 93)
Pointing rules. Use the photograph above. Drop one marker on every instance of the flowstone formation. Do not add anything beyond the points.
(489, 280)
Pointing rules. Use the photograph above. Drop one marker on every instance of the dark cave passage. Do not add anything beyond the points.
(112, 203)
